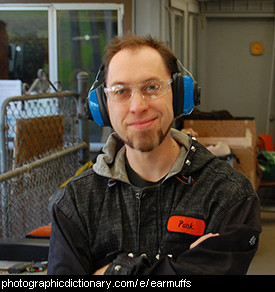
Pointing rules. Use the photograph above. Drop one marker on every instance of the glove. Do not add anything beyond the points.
(128, 264)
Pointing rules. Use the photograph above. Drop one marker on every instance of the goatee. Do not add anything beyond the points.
(145, 141)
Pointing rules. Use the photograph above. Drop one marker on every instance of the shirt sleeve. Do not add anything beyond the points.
(68, 253)
(228, 254)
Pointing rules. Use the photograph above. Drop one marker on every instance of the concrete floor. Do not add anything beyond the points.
(264, 261)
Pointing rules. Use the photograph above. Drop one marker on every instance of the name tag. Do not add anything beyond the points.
(187, 225)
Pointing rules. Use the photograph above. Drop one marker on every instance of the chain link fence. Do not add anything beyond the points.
(40, 149)
(25, 191)
(33, 126)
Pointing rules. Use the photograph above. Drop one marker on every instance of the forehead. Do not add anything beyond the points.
(136, 65)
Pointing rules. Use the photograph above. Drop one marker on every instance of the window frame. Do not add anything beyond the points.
(52, 9)
(188, 9)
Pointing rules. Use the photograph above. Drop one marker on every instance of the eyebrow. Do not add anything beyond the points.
(124, 83)
(118, 83)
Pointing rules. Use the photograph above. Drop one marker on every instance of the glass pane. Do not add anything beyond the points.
(23, 44)
(82, 36)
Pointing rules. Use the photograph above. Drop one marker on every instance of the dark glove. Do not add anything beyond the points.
(128, 264)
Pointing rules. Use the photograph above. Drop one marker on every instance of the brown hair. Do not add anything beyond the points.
(135, 42)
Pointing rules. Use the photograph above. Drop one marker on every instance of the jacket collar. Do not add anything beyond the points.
(111, 163)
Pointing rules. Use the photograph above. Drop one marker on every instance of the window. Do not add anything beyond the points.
(62, 39)
(59, 38)
(81, 37)
(193, 48)
(24, 44)
(184, 14)
(179, 34)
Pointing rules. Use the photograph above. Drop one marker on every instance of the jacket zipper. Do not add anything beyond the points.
(139, 197)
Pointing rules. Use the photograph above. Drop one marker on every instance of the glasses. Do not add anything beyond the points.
(149, 90)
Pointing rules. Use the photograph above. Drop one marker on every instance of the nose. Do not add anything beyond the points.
(138, 104)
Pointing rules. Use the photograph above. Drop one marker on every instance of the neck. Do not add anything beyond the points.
(154, 165)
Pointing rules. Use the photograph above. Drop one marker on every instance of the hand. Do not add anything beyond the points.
(101, 271)
(202, 238)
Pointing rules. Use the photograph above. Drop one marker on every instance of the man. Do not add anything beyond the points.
(156, 201)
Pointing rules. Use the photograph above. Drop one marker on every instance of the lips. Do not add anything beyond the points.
(142, 124)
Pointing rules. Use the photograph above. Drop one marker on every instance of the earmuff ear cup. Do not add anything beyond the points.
(197, 94)
(97, 102)
(186, 94)
(178, 94)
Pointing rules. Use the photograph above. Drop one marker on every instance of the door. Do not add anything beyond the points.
(234, 78)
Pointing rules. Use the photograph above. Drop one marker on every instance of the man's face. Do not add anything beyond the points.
(141, 124)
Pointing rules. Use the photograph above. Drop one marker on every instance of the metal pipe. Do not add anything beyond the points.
(83, 123)
(37, 163)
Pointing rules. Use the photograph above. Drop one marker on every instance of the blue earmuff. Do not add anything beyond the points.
(186, 95)
(94, 100)
(188, 104)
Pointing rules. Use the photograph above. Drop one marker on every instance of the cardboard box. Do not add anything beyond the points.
(239, 135)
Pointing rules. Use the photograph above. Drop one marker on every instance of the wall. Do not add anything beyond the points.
(174, 21)
(231, 77)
